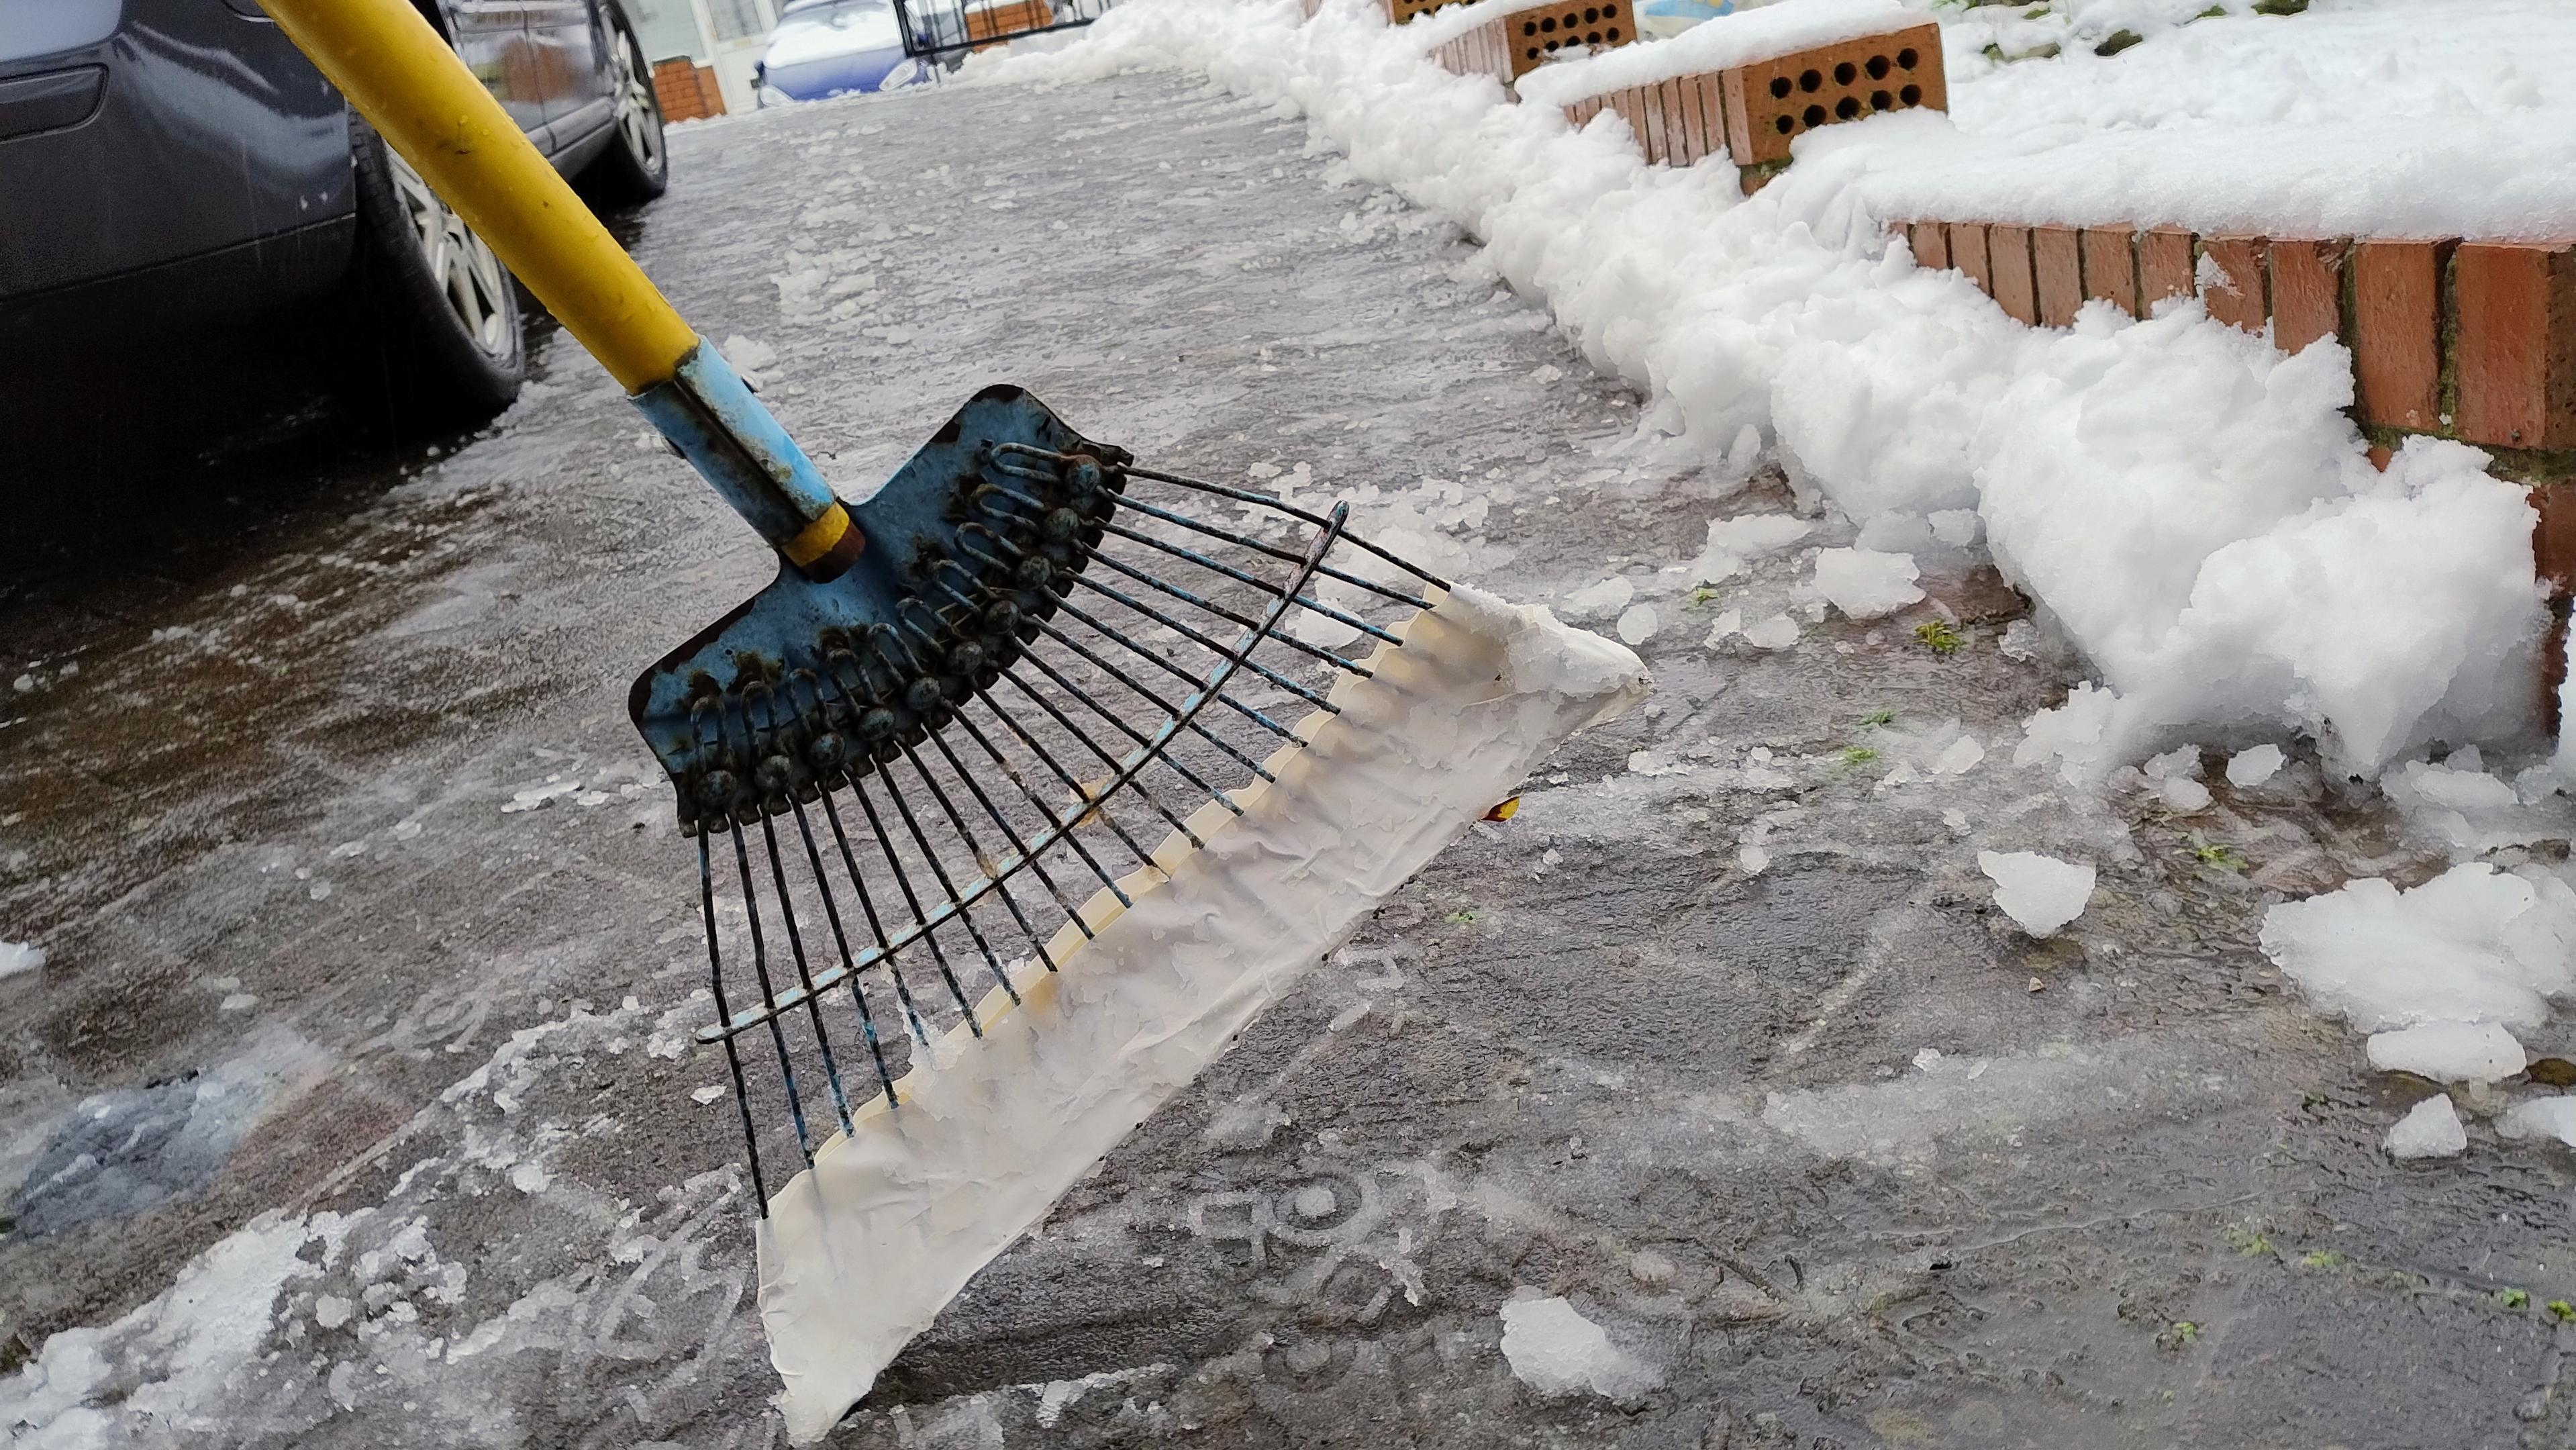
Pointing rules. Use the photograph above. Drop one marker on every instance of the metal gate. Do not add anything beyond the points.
(944, 30)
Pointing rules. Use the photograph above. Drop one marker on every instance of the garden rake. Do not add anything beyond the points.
(981, 725)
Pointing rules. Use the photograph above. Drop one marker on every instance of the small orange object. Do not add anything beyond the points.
(1505, 811)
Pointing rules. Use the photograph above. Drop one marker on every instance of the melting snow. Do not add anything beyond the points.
(2431, 1129)
(1554, 1350)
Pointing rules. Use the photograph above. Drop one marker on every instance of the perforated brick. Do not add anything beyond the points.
(1770, 103)
(2235, 292)
(1399, 11)
(1542, 31)
(2397, 332)
(2515, 359)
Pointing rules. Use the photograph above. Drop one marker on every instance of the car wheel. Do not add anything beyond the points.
(437, 312)
(636, 166)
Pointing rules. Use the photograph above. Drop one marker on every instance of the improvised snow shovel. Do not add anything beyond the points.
(989, 707)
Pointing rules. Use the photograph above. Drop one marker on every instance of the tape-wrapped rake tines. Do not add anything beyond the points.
(1080, 660)
(1510, 46)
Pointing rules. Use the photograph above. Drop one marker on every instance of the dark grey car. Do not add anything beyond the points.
(167, 163)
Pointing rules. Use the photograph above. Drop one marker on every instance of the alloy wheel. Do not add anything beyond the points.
(467, 272)
(636, 111)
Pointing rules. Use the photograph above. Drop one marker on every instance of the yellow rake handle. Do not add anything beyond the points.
(418, 94)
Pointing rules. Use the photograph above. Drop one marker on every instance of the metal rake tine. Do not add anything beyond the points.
(795, 935)
(724, 1016)
(1091, 802)
(1045, 812)
(1119, 675)
(1007, 834)
(876, 924)
(769, 994)
(1196, 636)
(1244, 495)
(903, 882)
(840, 936)
(939, 873)
(841, 941)
(1222, 612)
(1143, 651)
(1163, 758)
(1231, 572)
(1069, 837)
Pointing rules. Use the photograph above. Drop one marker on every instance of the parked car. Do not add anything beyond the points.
(173, 162)
(826, 48)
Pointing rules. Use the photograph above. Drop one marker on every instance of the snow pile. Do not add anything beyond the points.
(2415, 118)
(2193, 508)
(1864, 583)
(2449, 1052)
(1554, 1350)
(2040, 893)
(16, 957)
(1721, 44)
(2431, 1129)
(2473, 945)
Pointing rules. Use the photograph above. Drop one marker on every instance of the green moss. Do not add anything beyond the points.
(2562, 1310)
(1859, 755)
(2209, 853)
(2322, 1259)
(1702, 595)
(2117, 41)
(2280, 7)
(1465, 915)
(1877, 718)
(2514, 1299)
(2248, 1241)
(1938, 636)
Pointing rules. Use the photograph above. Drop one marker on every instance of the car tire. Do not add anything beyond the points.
(636, 167)
(435, 322)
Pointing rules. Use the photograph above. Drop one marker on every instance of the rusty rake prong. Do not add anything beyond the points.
(724, 1014)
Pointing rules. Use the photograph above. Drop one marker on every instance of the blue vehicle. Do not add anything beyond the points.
(826, 48)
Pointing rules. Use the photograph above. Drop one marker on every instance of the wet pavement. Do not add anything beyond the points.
(354, 1104)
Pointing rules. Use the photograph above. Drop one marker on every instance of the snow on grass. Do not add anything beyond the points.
(2192, 508)
(2040, 893)
(2472, 945)
(2430, 1129)
(1554, 1350)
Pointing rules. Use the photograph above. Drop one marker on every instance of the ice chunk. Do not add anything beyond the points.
(2470, 945)
(1729, 621)
(2449, 1052)
(1959, 757)
(1777, 632)
(2250, 768)
(1607, 597)
(1732, 541)
(2040, 893)
(16, 957)
(1636, 625)
(1864, 583)
(2430, 1129)
(1556, 1351)
(1753, 859)
(1955, 527)
(2182, 794)
(2549, 1117)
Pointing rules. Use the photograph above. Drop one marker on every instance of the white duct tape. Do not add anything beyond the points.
(860, 1252)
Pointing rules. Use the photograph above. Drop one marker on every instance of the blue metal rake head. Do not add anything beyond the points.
(1015, 675)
